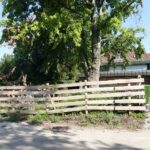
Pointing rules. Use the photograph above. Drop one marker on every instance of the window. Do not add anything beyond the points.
(148, 66)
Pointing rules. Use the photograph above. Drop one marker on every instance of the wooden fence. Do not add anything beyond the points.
(118, 95)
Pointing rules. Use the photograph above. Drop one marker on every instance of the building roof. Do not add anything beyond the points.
(145, 58)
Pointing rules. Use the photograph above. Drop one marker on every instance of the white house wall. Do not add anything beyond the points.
(129, 68)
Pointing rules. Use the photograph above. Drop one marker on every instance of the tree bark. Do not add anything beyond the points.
(94, 71)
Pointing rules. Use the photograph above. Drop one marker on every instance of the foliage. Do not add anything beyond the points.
(138, 115)
(106, 119)
(38, 118)
(55, 40)
(14, 117)
(147, 93)
(7, 69)
(6, 64)
(95, 118)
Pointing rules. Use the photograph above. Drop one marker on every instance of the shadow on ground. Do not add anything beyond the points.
(32, 139)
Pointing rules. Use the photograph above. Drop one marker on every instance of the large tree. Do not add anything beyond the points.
(70, 33)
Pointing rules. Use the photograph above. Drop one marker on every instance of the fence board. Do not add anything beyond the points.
(74, 97)
(116, 94)
(134, 108)
(101, 89)
(119, 81)
(16, 93)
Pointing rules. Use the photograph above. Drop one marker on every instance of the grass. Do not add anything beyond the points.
(114, 120)
(35, 119)
(106, 119)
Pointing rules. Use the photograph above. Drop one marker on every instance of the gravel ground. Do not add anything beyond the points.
(21, 136)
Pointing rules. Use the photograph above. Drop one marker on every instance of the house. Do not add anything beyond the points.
(136, 67)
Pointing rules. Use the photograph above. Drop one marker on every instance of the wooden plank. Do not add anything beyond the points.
(133, 108)
(32, 112)
(5, 105)
(54, 111)
(25, 93)
(67, 85)
(2, 99)
(7, 111)
(76, 97)
(108, 82)
(100, 89)
(79, 103)
(118, 81)
(66, 104)
(131, 88)
(12, 87)
(124, 101)
(49, 105)
(17, 99)
(36, 87)
(76, 109)
(116, 94)
(24, 105)
(98, 102)
(100, 107)
(132, 101)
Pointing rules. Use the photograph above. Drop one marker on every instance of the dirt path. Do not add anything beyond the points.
(22, 137)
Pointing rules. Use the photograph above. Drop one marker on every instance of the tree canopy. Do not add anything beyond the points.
(56, 40)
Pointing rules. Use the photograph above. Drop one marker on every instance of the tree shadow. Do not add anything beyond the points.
(115, 146)
(33, 139)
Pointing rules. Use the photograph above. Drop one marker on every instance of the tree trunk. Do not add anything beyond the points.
(94, 71)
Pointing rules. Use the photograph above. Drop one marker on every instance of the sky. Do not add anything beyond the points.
(134, 21)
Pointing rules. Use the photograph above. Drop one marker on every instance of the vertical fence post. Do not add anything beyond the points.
(53, 104)
(86, 99)
(49, 98)
(114, 99)
(139, 77)
(129, 98)
(13, 101)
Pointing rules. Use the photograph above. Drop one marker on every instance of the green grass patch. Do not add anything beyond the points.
(138, 115)
(38, 118)
(147, 93)
(106, 119)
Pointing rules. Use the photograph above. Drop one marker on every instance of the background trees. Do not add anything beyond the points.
(56, 40)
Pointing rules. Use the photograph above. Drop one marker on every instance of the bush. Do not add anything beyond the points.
(147, 93)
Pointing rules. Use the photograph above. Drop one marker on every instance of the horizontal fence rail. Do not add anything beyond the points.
(115, 95)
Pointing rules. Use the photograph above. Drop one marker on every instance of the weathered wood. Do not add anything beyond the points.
(22, 99)
(76, 97)
(78, 103)
(100, 89)
(86, 99)
(108, 82)
(116, 94)
(132, 101)
(131, 108)
(100, 107)
(66, 104)
(119, 81)
(77, 109)
(57, 99)
(25, 93)
(100, 102)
